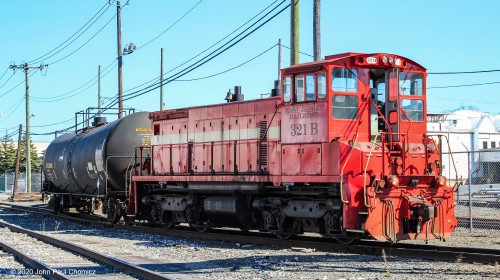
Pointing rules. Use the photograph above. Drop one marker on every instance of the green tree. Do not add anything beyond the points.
(35, 159)
(7, 155)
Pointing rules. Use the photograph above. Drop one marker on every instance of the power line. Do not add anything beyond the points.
(205, 50)
(230, 69)
(286, 47)
(69, 94)
(115, 99)
(52, 124)
(211, 55)
(86, 42)
(172, 25)
(14, 108)
(465, 72)
(193, 66)
(16, 86)
(6, 81)
(45, 56)
(4, 73)
(469, 85)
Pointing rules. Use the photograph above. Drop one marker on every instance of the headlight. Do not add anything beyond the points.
(393, 181)
(441, 181)
(384, 59)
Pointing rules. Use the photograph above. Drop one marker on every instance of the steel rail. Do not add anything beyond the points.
(365, 247)
(108, 260)
(40, 268)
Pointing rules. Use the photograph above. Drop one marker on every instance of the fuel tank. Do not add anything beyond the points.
(82, 163)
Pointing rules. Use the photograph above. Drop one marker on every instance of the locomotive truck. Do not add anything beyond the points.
(340, 148)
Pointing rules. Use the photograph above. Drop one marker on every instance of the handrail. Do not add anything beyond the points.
(342, 171)
(383, 118)
(106, 170)
(364, 171)
(408, 118)
(449, 149)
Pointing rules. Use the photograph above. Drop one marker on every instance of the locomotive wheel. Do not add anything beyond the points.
(200, 228)
(283, 235)
(128, 220)
(347, 240)
(167, 221)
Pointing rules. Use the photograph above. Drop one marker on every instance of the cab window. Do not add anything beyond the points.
(310, 87)
(414, 109)
(286, 89)
(321, 85)
(345, 107)
(344, 79)
(410, 83)
(299, 88)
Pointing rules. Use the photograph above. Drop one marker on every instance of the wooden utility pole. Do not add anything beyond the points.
(294, 32)
(26, 69)
(18, 158)
(316, 30)
(162, 103)
(99, 90)
(120, 83)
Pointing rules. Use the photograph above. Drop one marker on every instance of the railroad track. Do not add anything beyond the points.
(431, 252)
(96, 264)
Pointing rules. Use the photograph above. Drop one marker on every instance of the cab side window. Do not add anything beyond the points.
(299, 89)
(344, 79)
(286, 89)
(321, 85)
(310, 87)
(345, 107)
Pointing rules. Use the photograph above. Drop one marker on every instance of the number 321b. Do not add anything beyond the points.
(304, 129)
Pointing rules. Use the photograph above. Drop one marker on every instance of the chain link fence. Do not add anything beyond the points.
(477, 201)
(7, 182)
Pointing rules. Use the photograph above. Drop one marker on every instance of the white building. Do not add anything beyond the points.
(474, 144)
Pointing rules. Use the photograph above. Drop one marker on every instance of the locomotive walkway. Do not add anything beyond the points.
(442, 253)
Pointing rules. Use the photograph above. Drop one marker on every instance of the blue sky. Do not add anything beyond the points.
(441, 35)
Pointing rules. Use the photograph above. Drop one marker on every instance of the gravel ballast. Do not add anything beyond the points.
(192, 259)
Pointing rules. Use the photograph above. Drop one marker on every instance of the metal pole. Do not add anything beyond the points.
(18, 158)
(470, 194)
(28, 146)
(294, 32)
(316, 30)
(162, 104)
(279, 59)
(120, 84)
(99, 90)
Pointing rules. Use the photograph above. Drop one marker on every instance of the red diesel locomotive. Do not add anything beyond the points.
(342, 150)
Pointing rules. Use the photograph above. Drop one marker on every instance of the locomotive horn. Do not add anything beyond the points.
(229, 96)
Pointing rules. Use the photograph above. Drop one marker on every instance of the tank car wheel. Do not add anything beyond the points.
(84, 209)
(347, 240)
(113, 217)
(54, 204)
